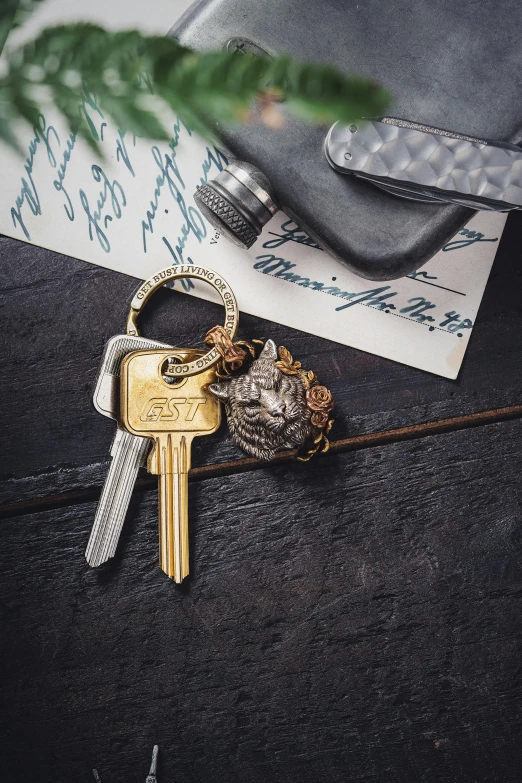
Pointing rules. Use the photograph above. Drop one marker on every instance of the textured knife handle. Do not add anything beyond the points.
(416, 159)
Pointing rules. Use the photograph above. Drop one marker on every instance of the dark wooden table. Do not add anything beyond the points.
(353, 619)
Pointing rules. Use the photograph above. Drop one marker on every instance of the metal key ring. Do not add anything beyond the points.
(146, 290)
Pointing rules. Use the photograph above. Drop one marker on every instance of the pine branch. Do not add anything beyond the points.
(13, 14)
(204, 90)
(17, 11)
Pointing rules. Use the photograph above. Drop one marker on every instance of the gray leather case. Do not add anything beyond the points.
(452, 64)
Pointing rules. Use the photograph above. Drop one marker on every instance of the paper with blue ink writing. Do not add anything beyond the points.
(134, 212)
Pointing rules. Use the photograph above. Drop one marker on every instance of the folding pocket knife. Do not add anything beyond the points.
(428, 164)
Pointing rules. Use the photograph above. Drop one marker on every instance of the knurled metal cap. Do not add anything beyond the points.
(238, 202)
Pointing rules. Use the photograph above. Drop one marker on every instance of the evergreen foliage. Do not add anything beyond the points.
(122, 69)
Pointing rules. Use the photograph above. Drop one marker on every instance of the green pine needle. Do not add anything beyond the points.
(204, 90)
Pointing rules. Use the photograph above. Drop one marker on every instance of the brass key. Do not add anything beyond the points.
(172, 414)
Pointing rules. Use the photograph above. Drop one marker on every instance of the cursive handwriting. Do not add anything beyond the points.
(292, 232)
(186, 282)
(111, 191)
(424, 275)
(417, 308)
(62, 171)
(214, 158)
(171, 180)
(121, 151)
(46, 137)
(43, 134)
(176, 131)
(471, 238)
(87, 103)
(169, 175)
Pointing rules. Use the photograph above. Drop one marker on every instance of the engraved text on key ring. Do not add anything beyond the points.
(146, 290)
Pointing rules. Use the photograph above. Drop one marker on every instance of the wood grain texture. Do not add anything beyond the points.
(356, 619)
(59, 488)
(355, 622)
(57, 313)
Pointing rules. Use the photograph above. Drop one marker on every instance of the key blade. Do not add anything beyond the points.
(173, 454)
(128, 452)
(107, 391)
(128, 455)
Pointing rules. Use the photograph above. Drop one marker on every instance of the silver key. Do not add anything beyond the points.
(128, 452)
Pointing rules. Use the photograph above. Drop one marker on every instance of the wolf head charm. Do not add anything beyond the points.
(268, 408)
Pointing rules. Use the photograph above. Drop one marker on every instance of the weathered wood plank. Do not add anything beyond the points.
(57, 312)
(359, 621)
(55, 489)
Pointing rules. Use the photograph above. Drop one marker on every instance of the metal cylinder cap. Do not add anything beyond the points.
(238, 202)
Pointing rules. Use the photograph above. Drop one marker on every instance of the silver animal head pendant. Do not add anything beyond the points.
(276, 406)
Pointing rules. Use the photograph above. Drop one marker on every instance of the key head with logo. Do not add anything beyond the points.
(150, 405)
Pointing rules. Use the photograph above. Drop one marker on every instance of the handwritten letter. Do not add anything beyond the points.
(134, 212)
